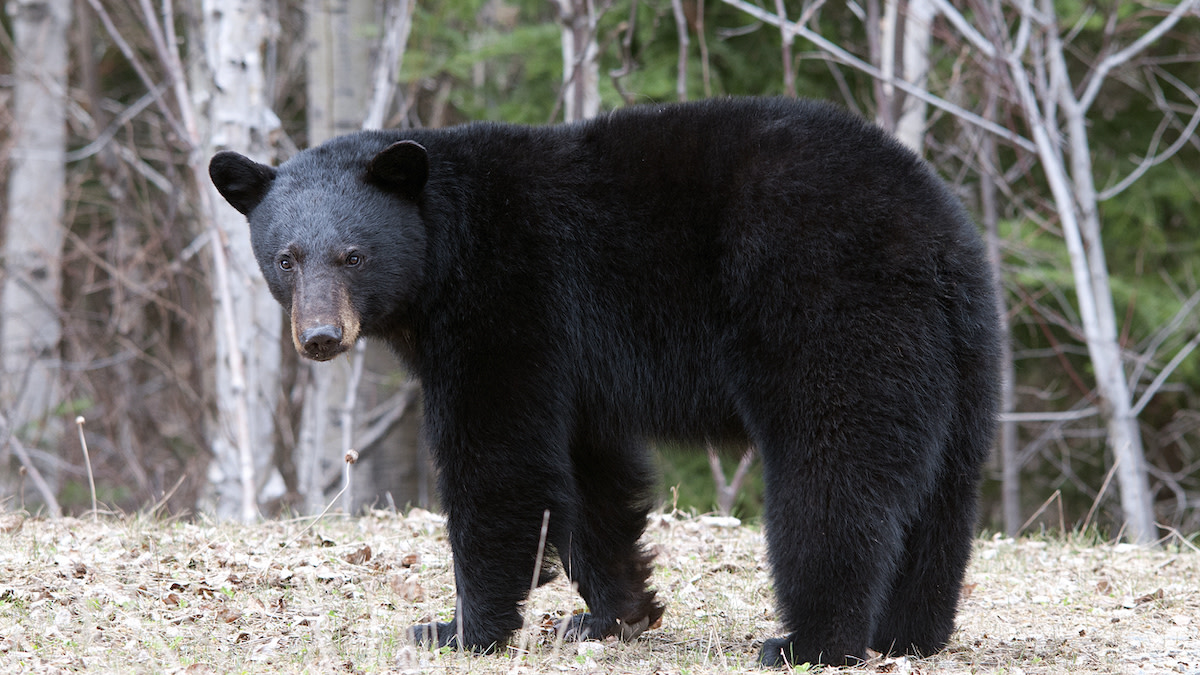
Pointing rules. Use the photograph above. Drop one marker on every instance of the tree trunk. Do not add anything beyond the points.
(338, 71)
(885, 93)
(581, 70)
(30, 327)
(1075, 201)
(1124, 435)
(247, 320)
(1116, 400)
(346, 77)
(1010, 468)
(918, 31)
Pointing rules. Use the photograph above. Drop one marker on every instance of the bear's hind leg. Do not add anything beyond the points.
(833, 548)
(601, 553)
(919, 615)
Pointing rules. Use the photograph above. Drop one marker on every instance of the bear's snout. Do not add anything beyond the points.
(321, 343)
(324, 322)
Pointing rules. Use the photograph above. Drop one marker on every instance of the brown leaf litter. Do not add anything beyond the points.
(140, 595)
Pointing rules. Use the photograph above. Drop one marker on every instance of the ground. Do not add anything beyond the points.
(139, 594)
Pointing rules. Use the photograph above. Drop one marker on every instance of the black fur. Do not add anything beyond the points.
(768, 271)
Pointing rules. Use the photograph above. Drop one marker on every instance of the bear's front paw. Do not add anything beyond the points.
(586, 626)
(437, 635)
(434, 634)
(777, 652)
(788, 652)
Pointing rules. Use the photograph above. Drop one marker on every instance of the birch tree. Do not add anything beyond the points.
(30, 324)
(1058, 118)
(338, 63)
(348, 75)
(578, 20)
(247, 321)
(918, 37)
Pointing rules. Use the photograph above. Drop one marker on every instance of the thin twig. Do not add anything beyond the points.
(1057, 495)
(849, 59)
(1099, 495)
(346, 414)
(1100, 73)
(350, 458)
(87, 460)
(39, 482)
(526, 630)
(1163, 374)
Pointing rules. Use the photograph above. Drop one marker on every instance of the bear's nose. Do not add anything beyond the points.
(322, 342)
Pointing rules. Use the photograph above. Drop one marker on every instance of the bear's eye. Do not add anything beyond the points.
(285, 264)
(353, 260)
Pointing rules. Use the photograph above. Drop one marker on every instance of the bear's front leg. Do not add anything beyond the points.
(495, 500)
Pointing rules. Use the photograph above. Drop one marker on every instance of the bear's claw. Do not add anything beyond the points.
(585, 626)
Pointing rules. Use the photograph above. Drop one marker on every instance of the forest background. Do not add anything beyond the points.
(130, 298)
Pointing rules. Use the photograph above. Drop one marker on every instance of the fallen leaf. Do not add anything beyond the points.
(407, 587)
(1150, 597)
(359, 556)
(11, 523)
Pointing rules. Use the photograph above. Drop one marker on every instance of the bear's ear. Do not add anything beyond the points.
(242, 181)
(400, 167)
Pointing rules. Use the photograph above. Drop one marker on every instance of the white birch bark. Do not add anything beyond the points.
(338, 67)
(1124, 434)
(1075, 201)
(581, 70)
(30, 328)
(247, 319)
(347, 76)
(918, 24)
(888, 27)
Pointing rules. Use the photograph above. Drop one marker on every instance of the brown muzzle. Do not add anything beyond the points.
(324, 323)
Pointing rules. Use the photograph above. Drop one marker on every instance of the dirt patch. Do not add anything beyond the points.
(139, 595)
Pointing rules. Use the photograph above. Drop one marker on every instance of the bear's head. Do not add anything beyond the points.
(337, 233)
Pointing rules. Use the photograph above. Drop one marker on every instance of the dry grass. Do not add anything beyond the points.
(141, 595)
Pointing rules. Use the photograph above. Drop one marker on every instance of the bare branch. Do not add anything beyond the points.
(136, 64)
(1163, 374)
(681, 28)
(39, 482)
(104, 137)
(1153, 159)
(1068, 416)
(849, 59)
(965, 28)
(391, 58)
(1161, 336)
(1100, 72)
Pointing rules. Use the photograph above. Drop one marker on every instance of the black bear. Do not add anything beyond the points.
(774, 272)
